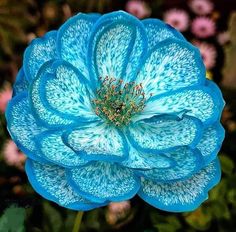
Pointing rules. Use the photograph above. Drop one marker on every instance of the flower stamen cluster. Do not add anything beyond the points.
(117, 101)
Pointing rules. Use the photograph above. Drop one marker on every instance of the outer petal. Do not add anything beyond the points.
(100, 182)
(66, 94)
(40, 51)
(116, 47)
(164, 133)
(97, 141)
(187, 163)
(157, 31)
(211, 142)
(200, 102)
(53, 149)
(21, 84)
(181, 196)
(40, 111)
(146, 160)
(50, 182)
(72, 40)
(170, 65)
(22, 126)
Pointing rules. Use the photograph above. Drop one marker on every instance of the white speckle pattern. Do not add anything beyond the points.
(187, 162)
(53, 181)
(181, 193)
(156, 32)
(111, 49)
(21, 84)
(145, 160)
(73, 41)
(211, 141)
(104, 181)
(171, 66)
(53, 148)
(22, 124)
(97, 140)
(67, 94)
(41, 111)
(40, 51)
(195, 102)
(164, 133)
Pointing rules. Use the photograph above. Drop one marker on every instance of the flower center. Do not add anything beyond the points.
(117, 102)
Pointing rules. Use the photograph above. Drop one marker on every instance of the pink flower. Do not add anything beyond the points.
(223, 38)
(208, 53)
(12, 155)
(203, 27)
(178, 19)
(117, 211)
(138, 8)
(201, 7)
(5, 96)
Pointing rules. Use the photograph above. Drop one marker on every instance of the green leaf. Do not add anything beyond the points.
(13, 219)
(52, 218)
(227, 164)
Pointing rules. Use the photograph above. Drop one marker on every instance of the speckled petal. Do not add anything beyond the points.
(146, 160)
(157, 31)
(187, 162)
(66, 93)
(97, 141)
(22, 126)
(181, 196)
(116, 47)
(101, 181)
(50, 182)
(21, 84)
(39, 110)
(170, 65)
(72, 40)
(211, 142)
(163, 133)
(40, 51)
(200, 102)
(52, 148)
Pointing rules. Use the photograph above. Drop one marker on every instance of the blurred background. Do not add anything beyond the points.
(210, 25)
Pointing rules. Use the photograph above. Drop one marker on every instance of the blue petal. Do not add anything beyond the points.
(54, 150)
(42, 114)
(146, 160)
(164, 133)
(117, 45)
(22, 126)
(21, 84)
(72, 40)
(170, 65)
(100, 182)
(66, 94)
(197, 101)
(181, 196)
(50, 182)
(211, 142)
(97, 141)
(187, 163)
(39, 51)
(158, 31)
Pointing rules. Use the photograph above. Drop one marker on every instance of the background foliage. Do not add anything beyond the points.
(24, 210)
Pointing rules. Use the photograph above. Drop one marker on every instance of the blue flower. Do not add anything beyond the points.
(109, 106)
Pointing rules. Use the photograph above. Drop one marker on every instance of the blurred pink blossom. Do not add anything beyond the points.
(5, 96)
(201, 7)
(138, 8)
(178, 19)
(203, 27)
(223, 38)
(208, 53)
(12, 155)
